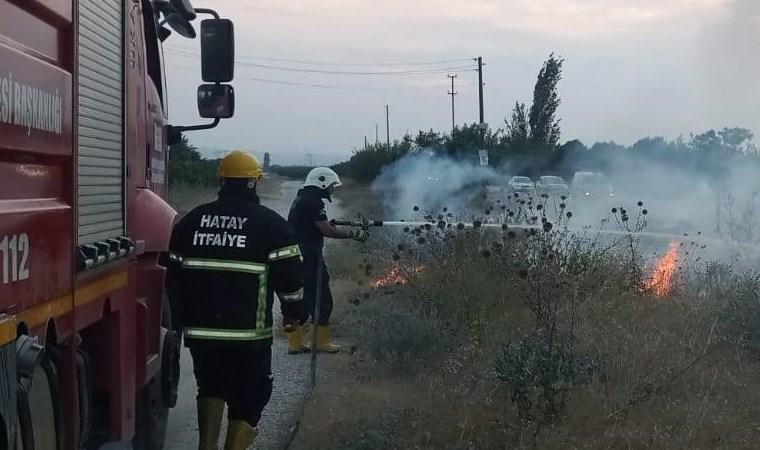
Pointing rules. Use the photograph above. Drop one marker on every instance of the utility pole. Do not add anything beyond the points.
(452, 93)
(480, 86)
(387, 128)
(377, 141)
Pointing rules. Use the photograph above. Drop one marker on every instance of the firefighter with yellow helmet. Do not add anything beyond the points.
(227, 260)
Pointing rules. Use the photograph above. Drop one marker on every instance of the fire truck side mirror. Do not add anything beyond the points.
(216, 101)
(217, 50)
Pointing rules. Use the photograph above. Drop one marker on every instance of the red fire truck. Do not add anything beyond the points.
(88, 354)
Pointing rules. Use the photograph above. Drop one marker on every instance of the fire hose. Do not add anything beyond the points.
(363, 222)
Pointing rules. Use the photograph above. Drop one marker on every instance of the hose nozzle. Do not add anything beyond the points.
(362, 222)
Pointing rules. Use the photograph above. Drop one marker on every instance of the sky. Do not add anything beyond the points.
(633, 68)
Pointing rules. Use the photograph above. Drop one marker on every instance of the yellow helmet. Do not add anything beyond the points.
(240, 164)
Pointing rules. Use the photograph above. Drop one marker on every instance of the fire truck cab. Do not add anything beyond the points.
(88, 353)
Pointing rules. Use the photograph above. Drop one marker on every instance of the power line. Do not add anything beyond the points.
(339, 72)
(323, 63)
(330, 86)
(322, 86)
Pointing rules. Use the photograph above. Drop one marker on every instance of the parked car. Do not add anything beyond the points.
(433, 177)
(521, 185)
(552, 185)
(591, 185)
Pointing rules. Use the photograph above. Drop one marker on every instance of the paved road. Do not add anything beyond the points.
(290, 376)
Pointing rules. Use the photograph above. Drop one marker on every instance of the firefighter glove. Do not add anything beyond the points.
(359, 234)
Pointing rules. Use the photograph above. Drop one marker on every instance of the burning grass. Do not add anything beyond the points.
(514, 339)
(660, 281)
(397, 276)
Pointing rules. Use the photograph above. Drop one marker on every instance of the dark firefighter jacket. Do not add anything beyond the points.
(307, 208)
(227, 258)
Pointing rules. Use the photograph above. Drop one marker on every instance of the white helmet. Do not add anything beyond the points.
(322, 177)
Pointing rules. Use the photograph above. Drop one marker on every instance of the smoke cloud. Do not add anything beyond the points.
(433, 183)
(694, 205)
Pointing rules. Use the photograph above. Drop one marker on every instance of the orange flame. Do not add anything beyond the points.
(662, 276)
(397, 276)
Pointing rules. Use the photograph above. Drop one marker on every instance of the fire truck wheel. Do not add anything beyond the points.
(171, 346)
(39, 411)
(152, 408)
(169, 319)
(152, 418)
(170, 368)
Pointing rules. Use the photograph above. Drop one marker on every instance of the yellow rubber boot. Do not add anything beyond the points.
(323, 340)
(240, 435)
(210, 414)
(296, 341)
(308, 329)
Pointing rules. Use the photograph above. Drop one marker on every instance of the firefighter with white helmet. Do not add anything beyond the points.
(227, 260)
(309, 222)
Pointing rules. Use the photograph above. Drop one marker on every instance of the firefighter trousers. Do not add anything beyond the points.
(240, 377)
(311, 260)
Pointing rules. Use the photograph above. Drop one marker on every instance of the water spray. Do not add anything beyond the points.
(365, 223)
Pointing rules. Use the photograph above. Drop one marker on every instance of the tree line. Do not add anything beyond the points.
(187, 166)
